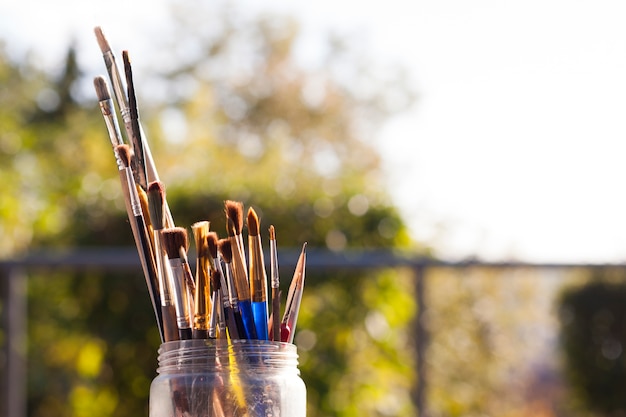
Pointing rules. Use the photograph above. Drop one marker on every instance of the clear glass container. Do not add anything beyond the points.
(211, 378)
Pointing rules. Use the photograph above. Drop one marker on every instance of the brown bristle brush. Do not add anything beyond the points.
(258, 276)
(173, 239)
(234, 225)
(156, 199)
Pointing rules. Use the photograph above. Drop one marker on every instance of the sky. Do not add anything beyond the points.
(516, 146)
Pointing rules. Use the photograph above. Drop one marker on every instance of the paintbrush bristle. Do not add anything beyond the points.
(272, 233)
(216, 283)
(173, 239)
(253, 222)
(234, 211)
(102, 40)
(125, 154)
(102, 90)
(230, 227)
(156, 196)
(200, 230)
(225, 249)
(212, 242)
(145, 207)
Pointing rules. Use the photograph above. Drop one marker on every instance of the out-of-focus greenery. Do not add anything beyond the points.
(593, 337)
(232, 116)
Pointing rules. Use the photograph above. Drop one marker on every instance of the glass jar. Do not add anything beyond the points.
(213, 378)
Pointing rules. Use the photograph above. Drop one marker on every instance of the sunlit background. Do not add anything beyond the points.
(505, 143)
(514, 147)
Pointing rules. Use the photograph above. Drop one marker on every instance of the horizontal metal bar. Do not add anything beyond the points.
(126, 258)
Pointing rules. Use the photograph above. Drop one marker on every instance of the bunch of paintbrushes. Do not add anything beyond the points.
(227, 295)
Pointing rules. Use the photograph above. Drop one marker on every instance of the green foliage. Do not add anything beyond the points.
(92, 344)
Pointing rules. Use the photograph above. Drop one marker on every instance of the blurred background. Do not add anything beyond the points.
(455, 167)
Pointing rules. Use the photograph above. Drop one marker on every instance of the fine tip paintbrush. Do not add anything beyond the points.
(275, 284)
(294, 298)
(202, 298)
(139, 169)
(234, 225)
(156, 199)
(257, 275)
(173, 239)
(140, 232)
(234, 320)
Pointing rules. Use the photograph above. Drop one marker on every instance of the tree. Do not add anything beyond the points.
(593, 334)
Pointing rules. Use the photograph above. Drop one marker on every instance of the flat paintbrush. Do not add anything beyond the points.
(156, 199)
(294, 298)
(173, 239)
(202, 298)
(140, 232)
(234, 224)
(274, 322)
(258, 276)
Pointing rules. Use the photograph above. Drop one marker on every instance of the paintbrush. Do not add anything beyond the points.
(294, 298)
(115, 136)
(190, 284)
(122, 104)
(234, 223)
(173, 239)
(108, 111)
(234, 320)
(274, 326)
(220, 288)
(202, 298)
(140, 232)
(258, 277)
(139, 169)
(114, 76)
(156, 199)
(217, 325)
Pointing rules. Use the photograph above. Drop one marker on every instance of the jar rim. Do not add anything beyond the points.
(223, 343)
(180, 355)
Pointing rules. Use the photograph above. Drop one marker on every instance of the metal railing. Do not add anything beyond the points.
(13, 285)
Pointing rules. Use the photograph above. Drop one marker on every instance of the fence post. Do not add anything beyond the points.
(421, 342)
(13, 282)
